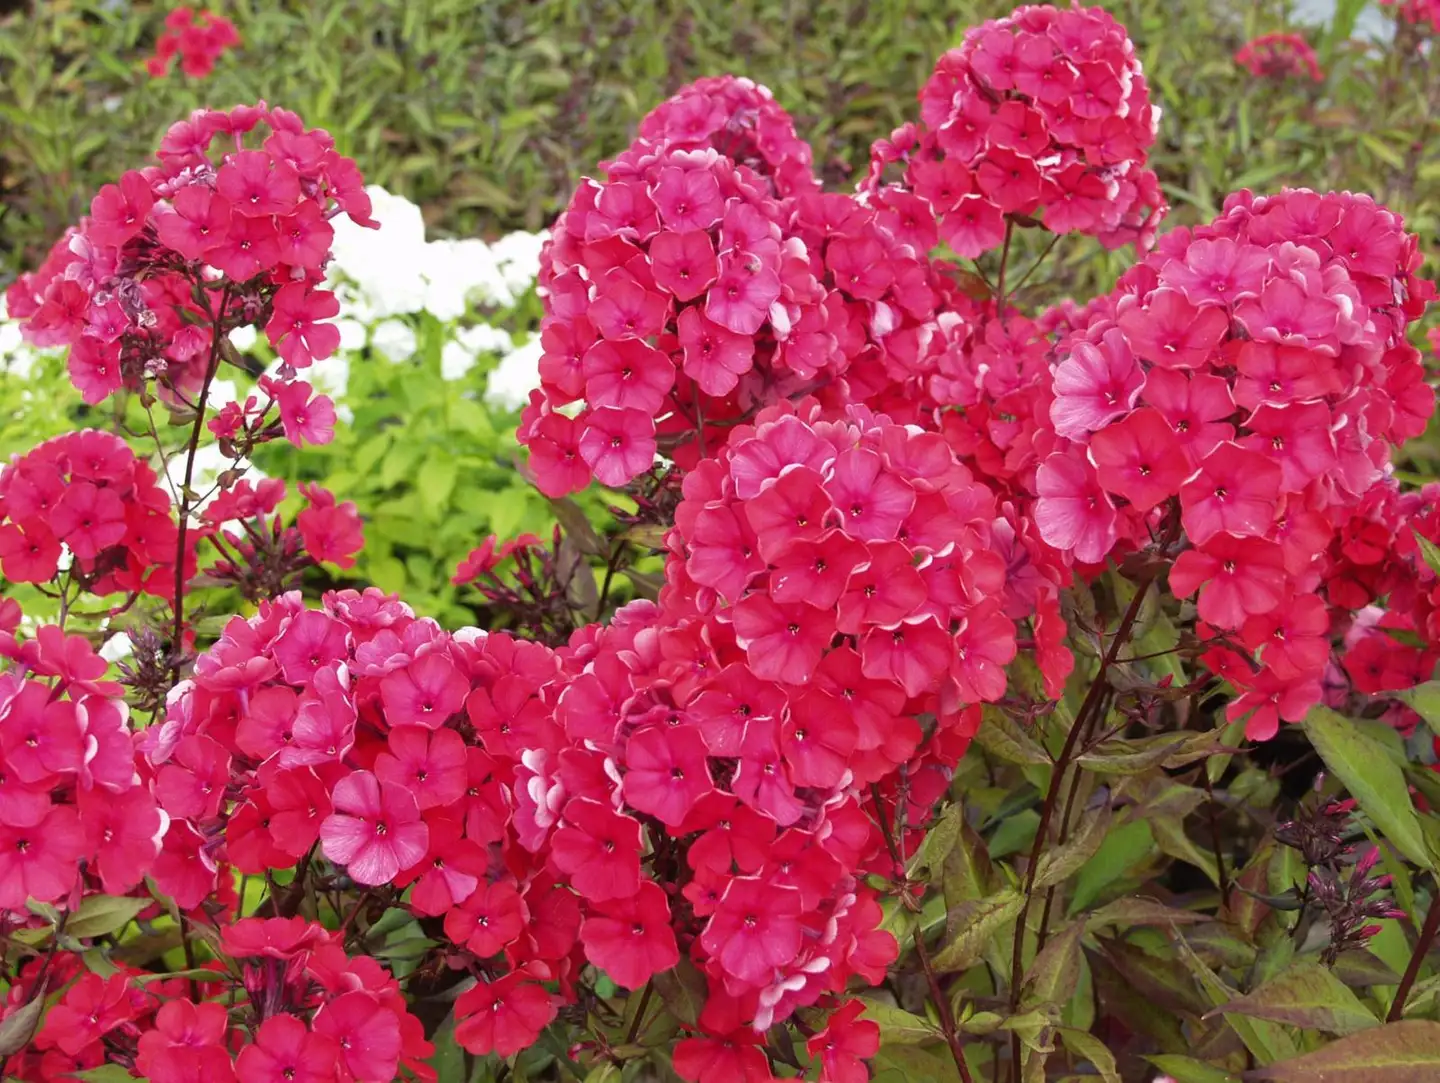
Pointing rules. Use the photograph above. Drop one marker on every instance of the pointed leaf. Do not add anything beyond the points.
(1306, 995)
(1424, 700)
(1136, 910)
(1266, 1040)
(1001, 736)
(978, 923)
(1429, 550)
(101, 915)
(1064, 860)
(1373, 779)
(1124, 848)
(105, 1073)
(1055, 974)
(939, 841)
(911, 1064)
(1403, 1052)
(17, 1030)
(1131, 757)
(1084, 1044)
(897, 1026)
(968, 873)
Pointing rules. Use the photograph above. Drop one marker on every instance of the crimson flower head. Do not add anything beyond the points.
(1279, 56)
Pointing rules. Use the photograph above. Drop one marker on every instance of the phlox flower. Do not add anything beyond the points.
(631, 939)
(375, 830)
(1073, 511)
(503, 1016)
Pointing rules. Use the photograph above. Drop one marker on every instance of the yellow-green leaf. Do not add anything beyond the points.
(977, 923)
(1375, 781)
(1306, 995)
(1403, 1052)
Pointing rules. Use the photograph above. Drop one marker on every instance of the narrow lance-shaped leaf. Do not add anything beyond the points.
(1403, 1052)
(1306, 995)
(1059, 863)
(977, 923)
(1375, 781)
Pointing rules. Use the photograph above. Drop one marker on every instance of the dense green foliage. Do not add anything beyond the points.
(486, 114)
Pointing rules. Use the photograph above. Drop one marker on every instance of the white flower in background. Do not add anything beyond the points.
(483, 338)
(516, 376)
(382, 268)
(456, 360)
(244, 338)
(395, 271)
(395, 339)
(117, 648)
(222, 393)
(17, 357)
(353, 334)
(519, 257)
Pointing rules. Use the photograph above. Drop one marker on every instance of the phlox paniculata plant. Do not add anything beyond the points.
(884, 506)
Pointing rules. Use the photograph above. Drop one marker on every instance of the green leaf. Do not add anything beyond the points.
(437, 481)
(897, 1026)
(939, 841)
(682, 990)
(17, 1030)
(106, 1073)
(1375, 781)
(1001, 736)
(1306, 995)
(1136, 910)
(1124, 848)
(911, 1064)
(1403, 1052)
(968, 873)
(1058, 864)
(1424, 700)
(1428, 550)
(101, 915)
(1266, 1040)
(1189, 1070)
(1084, 1044)
(1121, 757)
(1055, 974)
(977, 923)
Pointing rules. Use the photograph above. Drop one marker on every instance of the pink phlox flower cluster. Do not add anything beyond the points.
(87, 493)
(681, 295)
(1255, 373)
(1044, 114)
(74, 815)
(312, 1014)
(228, 230)
(1416, 11)
(738, 118)
(199, 38)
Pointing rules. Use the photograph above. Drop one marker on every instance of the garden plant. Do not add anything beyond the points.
(886, 663)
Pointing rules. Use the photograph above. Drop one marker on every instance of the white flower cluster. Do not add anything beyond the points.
(384, 276)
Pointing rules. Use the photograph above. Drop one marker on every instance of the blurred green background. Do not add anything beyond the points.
(486, 114)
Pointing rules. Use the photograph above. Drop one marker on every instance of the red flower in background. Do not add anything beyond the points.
(1279, 56)
(199, 38)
